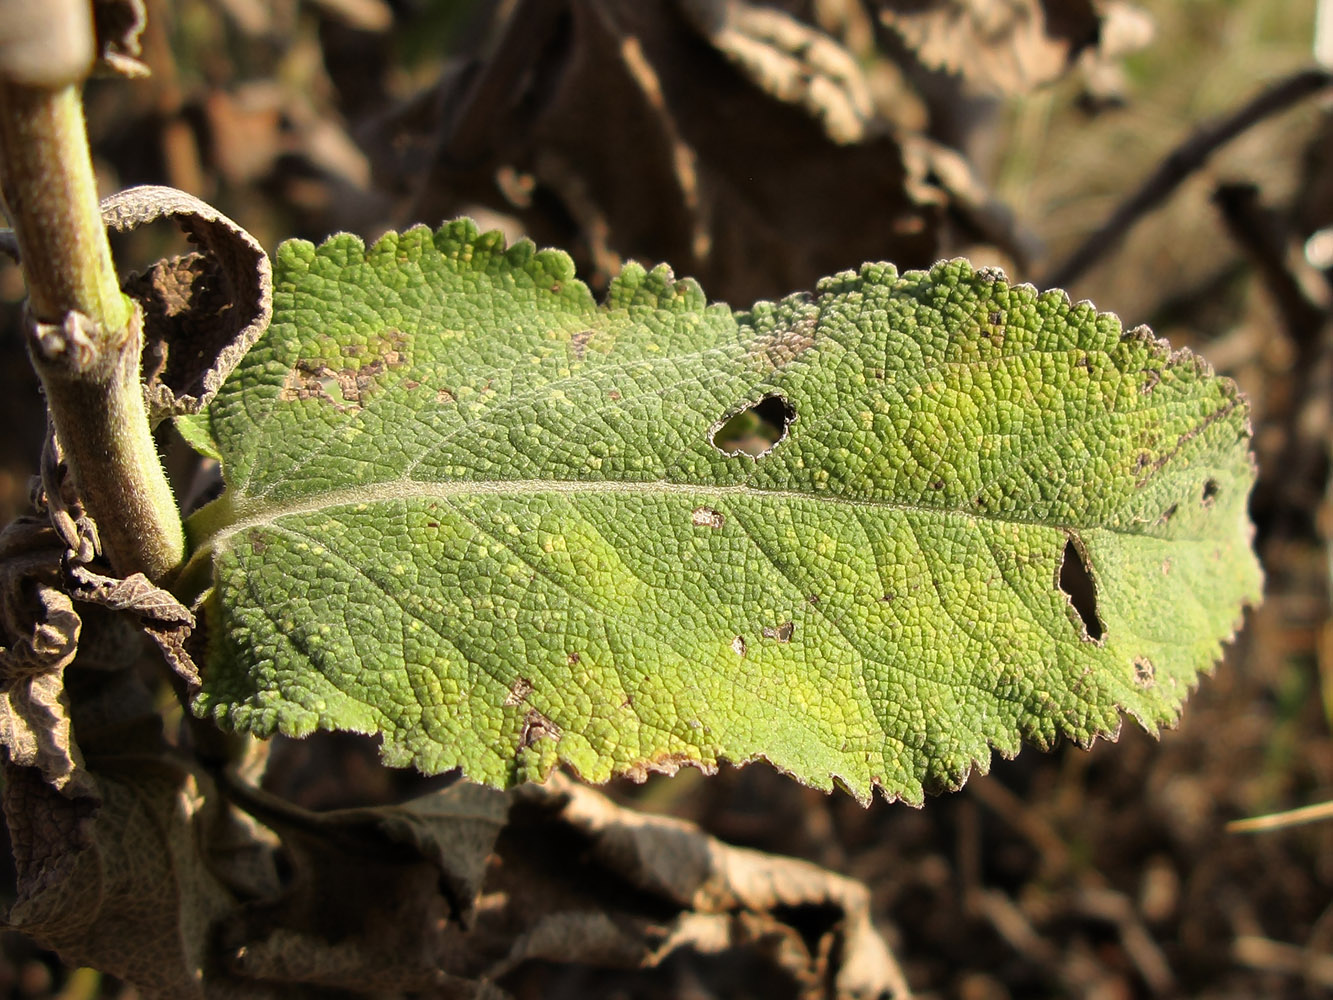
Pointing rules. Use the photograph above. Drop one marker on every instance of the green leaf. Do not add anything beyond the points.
(473, 511)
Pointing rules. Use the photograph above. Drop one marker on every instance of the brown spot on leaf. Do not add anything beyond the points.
(738, 646)
(518, 692)
(579, 342)
(706, 517)
(444, 396)
(345, 388)
(572, 659)
(779, 348)
(1145, 674)
(782, 633)
(613, 395)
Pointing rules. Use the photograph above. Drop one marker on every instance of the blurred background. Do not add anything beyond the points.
(759, 146)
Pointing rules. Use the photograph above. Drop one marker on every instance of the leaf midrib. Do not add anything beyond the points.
(221, 520)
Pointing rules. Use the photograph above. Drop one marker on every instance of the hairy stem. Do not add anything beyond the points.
(88, 355)
(51, 196)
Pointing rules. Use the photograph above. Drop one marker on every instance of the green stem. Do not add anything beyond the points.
(92, 388)
(51, 195)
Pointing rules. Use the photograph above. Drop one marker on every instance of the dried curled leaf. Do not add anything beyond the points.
(795, 63)
(43, 573)
(371, 893)
(166, 620)
(202, 311)
(458, 891)
(692, 102)
(40, 630)
(725, 897)
(129, 869)
(999, 46)
(35, 729)
(117, 878)
(118, 25)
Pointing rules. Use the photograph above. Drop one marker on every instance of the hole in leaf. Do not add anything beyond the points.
(1210, 490)
(1077, 584)
(755, 430)
(537, 727)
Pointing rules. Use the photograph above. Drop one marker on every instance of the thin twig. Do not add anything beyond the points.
(1299, 291)
(1186, 158)
(1291, 487)
(1034, 828)
(1280, 821)
(1285, 959)
(1116, 909)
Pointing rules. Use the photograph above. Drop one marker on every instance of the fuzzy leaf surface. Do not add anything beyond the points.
(472, 510)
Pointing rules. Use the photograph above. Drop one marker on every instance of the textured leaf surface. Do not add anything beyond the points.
(472, 510)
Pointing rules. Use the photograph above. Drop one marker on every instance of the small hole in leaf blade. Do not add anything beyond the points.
(1076, 582)
(756, 429)
(1210, 491)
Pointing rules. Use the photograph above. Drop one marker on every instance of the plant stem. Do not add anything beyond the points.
(66, 259)
(92, 382)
